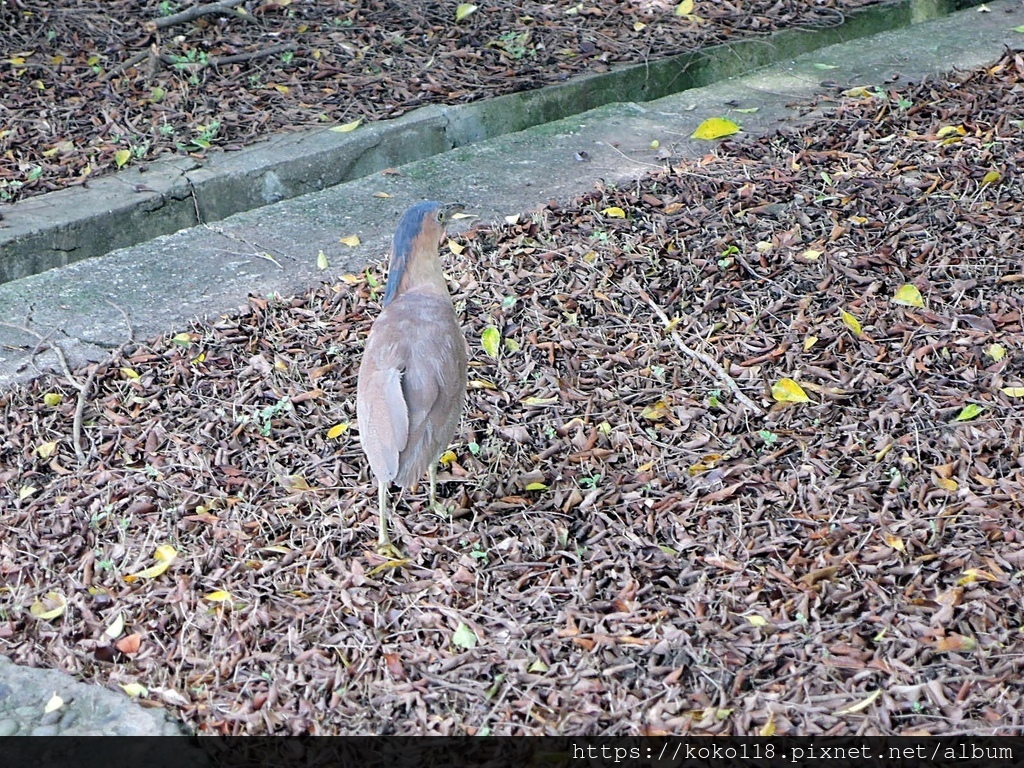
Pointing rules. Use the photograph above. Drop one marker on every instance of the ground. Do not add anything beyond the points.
(722, 473)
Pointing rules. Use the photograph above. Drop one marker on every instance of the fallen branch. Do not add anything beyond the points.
(220, 61)
(190, 14)
(707, 360)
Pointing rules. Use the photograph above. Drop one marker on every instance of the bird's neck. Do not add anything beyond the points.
(424, 275)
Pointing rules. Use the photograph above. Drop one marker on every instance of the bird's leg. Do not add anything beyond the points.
(432, 474)
(384, 546)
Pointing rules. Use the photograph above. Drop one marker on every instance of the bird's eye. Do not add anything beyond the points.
(440, 216)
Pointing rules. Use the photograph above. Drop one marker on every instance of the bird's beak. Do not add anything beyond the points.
(451, 208)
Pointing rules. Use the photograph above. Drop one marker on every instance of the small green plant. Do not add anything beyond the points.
(769, 437)
(166, 7)
(515, 44)
(714, 398)
(480, 553)
(590, 481)
(192, 57)
(267, 415)
(287, 56)
(205, 137)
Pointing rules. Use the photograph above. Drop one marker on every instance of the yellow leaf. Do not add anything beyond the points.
(347, 127)
(135, 690)
(218, 596)
(447, 458)
(1012, 391)
(809, 342)
(116, 627)
(464, 10)
(337, 431)
(455, 248)
(51, 609)
(947, 130)
(862, 705)
(490, 340)
(859, 92)
(25, 491)
(972, 575)
(165, 555)
(52, 399)
(858, 220)
(481, 384)
(198, 358)
(715, 128)
(55, 703)
(46, 450)
(788, 391)
(639, 26)
(538, 667)
(909, 296)
(947, 484)
(685, 8)
(129, 373)
(182, 339)
(656, 411)
(757, 621)
(895, 542)
(381, 194)
(351, 241)
(122, 156)
(282, 88)
(768, 729)
(536, 487)
(991, 178)
(614, 212)
(533, 401)
(812, 255)
(970, 411)
(851, 322)
(995, 351)
(321, 260)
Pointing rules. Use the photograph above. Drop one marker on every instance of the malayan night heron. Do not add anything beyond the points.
(412, 379)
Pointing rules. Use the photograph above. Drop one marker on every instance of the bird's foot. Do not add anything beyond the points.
(389, 550)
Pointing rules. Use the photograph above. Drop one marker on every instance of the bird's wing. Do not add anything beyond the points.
(383, 417)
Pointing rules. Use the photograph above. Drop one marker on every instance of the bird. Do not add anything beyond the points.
(411, 386)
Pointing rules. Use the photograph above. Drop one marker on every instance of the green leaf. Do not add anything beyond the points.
(464, 10)
(490, 340)
(1019, 29)
(909, 296)
(970, 411)
(464, 637)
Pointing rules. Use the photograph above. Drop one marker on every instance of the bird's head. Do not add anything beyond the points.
(418, 234)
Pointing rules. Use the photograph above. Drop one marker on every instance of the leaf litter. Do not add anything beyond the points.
(631, 549)
(160, 79)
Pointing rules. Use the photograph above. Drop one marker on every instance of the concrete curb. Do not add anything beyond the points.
(161, 197)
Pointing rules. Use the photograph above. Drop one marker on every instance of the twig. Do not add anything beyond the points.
(82, 387)
(224, 6)
(220, 61)
(76, 425)
(125, 66)
(127, 320)
(709, 361)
